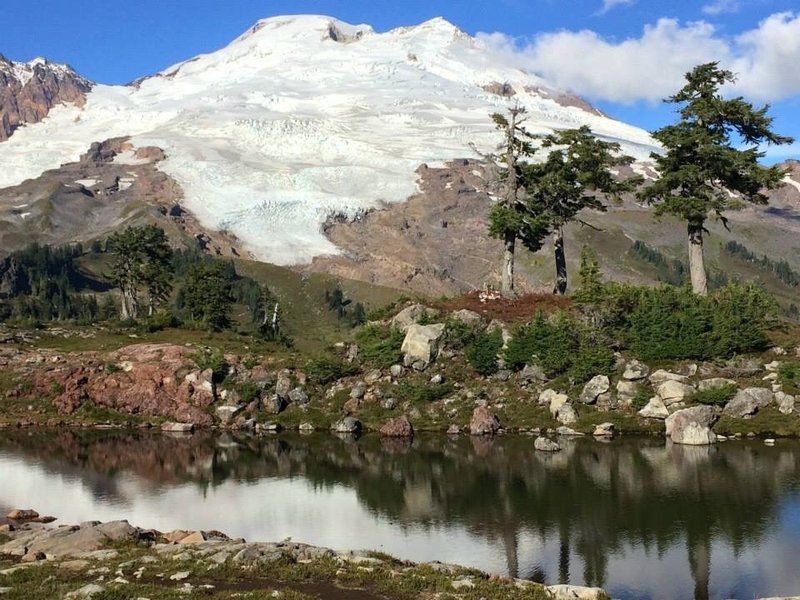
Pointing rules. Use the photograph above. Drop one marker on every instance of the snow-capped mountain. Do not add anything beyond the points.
(305, 117)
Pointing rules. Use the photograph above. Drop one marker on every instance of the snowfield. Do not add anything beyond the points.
(287, 125)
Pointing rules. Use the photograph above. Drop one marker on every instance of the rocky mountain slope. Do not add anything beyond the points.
(306, 117)
(28, 91)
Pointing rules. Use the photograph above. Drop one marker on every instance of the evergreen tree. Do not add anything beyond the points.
(703, 171)
(141, 264)
(206, 295)
(575, 176)
(506, 217)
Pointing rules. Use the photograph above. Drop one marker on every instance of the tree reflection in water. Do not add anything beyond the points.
(593, 500)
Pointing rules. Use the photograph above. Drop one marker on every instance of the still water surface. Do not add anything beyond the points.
(641, 518)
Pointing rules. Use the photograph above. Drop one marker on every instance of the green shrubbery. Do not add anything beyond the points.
(380, 346)
(325, 368)
(789, 373)
(483, 350)
(719, 396)
(214, 359)
(423, 391)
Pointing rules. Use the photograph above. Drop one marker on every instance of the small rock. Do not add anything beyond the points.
(198, 537)
(773, 366)
(87, 591)
(298, 397)
(543, 444)
(373, 377)
(274, 404)
(769, 441)
(467, 317)
(568, 432)
(671, 392)
(463, 583)
(22, 515)
(532, 374)
(437, 380)
(567, 414)
(785, 402)
(635, 370)
(661, 376)
(306, 427)
(453, 430)
(180, 576)
(605, 430)
(397, 371)
(359, 391)
(389, 404)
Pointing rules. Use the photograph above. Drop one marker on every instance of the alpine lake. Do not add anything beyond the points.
(639, 517)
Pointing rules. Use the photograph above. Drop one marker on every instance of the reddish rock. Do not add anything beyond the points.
(398, 428)
(483, 422)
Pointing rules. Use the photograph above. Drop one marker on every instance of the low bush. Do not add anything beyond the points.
(591, 359)
(214, 359)
(483, 351)
(718, 396)
(550, 343)
(423, 391)
(789, 373)
(640, 400)
(380, 346)
(325, 369)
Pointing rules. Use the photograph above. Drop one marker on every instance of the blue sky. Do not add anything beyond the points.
(624, 55)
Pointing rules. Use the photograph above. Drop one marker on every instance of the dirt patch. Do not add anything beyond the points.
(494, 306)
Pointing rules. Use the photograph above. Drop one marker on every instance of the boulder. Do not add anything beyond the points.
(411, 315)
(397, 371)
(568, 432)
(693, 434)
(566, 414)
(532, 374)
(714, 383)
(454, 430)
(543, 444)
(358, 391)
(88, 591)
(196, 537)
(672, 392)
(298, 397)
(273, 405)
(284, 385)
(655, 409)
(373, 377)
(226, 414)
(704, 415)
(748, 402)
(467, 317)
(346, 425)
(574, 592)
(785, 402)
(605, 430)
(21, 515)
(595, 387)
(635, 370)
(421, 344)
(661, 376)
(555, 400)
(483, 422)
(389, 404)
(398, 428)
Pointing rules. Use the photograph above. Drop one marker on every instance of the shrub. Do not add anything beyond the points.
(380, 346)
(719, 396)
(640, 400)
(458, 334)
(212, 359)
(551, 344)
(248, 391)
(591, 359)
(789, 373)
(324, 369)
(416, 391)
(483, 351)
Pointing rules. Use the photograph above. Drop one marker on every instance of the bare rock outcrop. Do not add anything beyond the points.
(28, 91)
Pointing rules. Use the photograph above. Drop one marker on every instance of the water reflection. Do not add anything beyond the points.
(641, 518)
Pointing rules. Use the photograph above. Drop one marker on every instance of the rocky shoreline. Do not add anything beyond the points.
(95, 560)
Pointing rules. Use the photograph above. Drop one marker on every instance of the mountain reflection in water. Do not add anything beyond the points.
(642, 518)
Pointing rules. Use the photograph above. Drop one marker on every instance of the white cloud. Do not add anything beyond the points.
(652, 66)
(612, 4)
(719, 7)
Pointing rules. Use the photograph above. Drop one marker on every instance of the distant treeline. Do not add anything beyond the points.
(780, 268)
(672, 270)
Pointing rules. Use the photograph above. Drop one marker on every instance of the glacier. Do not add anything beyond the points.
(306, 117)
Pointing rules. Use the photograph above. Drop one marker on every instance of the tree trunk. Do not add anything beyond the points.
(561, 262)
(508, 264)
(697, 267)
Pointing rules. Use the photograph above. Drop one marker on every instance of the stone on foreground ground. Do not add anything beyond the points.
(87, 553)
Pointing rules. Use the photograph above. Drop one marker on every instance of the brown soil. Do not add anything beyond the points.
(522, 308)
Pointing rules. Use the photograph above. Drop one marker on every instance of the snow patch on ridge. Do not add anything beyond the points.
(285, 126)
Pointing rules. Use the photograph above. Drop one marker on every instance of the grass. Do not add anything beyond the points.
(768, 421)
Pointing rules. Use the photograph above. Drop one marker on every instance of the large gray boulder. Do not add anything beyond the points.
(566, 414)
(421, 344)
(594, 388)
(785, 402)
(467, 317)
(692, 426)
(748, 402)
(704, 415)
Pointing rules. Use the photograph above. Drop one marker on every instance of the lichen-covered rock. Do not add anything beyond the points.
(412, 315)
(567, 415)
(785, 402)
(692, 426)
(672, 392)
(298, 397)
(346, 425)
(655, 409)
(635, 370)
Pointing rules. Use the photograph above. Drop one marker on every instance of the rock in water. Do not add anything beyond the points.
(398, 428)
(605, 430)
(483, 422)
(543, 444)
(347, 425)
(692, 426)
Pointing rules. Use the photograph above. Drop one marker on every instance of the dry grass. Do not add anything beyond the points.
(493, 306)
